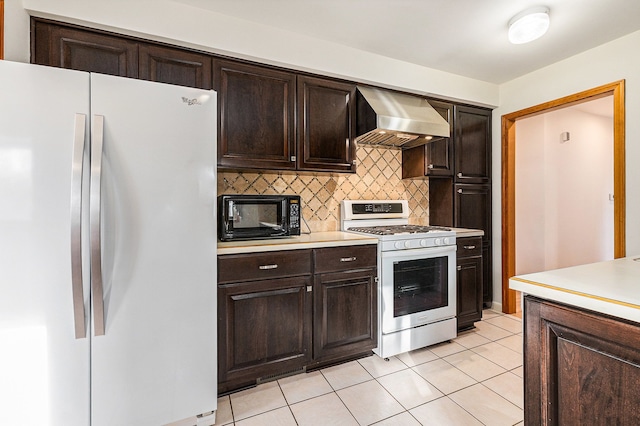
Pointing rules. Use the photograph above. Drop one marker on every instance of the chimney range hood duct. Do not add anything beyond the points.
(396, 120)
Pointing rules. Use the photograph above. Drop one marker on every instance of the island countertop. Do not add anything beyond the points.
(610, 287)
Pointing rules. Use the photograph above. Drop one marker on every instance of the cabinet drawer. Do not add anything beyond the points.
(343, 258)
(469, 246)
(247, 267)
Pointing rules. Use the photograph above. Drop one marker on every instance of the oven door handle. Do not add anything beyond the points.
(421, 252)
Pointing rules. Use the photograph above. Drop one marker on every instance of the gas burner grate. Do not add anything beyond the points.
(397, 229)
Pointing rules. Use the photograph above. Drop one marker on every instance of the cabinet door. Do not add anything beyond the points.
(326, 125)
(434, 158)
(77, 49)
(264, 329)
(345, 314)
(174, 66)
(472, 205)
(469, 309)
(472, 142)
(487, 272)
(580, 368)
(257, 114)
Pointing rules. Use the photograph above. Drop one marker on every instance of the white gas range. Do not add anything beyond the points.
(416, 274)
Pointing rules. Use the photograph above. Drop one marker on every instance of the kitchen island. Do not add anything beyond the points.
(582, 344)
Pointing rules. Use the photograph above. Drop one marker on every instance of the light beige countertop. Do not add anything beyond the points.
(611, 287)
(463, 232)
(304, 241)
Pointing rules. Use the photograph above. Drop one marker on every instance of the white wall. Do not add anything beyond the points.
(602, 65)
(172, 22)
(564, 215)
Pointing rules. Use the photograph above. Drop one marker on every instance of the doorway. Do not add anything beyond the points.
(616, 90)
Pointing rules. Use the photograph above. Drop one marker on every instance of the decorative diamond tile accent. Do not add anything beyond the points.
(379, 177)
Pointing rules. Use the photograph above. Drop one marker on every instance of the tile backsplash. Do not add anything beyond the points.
(378, 177)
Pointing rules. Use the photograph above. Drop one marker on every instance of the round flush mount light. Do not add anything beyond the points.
(529, 25)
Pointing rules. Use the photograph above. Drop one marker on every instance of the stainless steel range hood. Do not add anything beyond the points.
(396, 120)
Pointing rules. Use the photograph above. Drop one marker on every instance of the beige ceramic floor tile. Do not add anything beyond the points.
(512, 342)
(409, 388)
(224, 416)
(474, 365)
(444, 376)
(509, 386)
(369, 402)
(444, 412)
(446, 348)
(343, 375)
(490, 313)
(377, 366)
(304, 386)
(281, 417)
(487, 406)
(470, 339)
(402, 419)
(498, 354)
(258, 400)
(419, 356)
(491, 331)
(518, 371)
(323, 410)
(511, 324)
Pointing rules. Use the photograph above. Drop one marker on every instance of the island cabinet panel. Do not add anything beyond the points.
(472, 144)
(174, 66)
(256, 116)
(469, 281)
(435, 158)
(79, 49)
(581, 368)
(326, 125)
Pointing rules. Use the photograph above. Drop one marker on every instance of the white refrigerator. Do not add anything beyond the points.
(107, 250)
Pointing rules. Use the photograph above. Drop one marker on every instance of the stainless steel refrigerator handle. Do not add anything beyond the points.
(97, 140)
(77, 286)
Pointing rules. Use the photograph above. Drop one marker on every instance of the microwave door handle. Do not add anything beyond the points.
(97, 141)
(77, 171)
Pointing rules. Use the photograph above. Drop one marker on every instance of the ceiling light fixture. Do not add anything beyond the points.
(529, 25)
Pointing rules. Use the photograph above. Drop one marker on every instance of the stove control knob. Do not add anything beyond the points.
(398, 245)
(448, 241)
(438, 241)
(407, 244)
(424, 243)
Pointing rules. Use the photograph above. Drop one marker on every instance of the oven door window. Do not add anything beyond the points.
(420, 285)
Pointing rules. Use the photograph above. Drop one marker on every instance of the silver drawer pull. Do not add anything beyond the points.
(460, 191)
(459, 268)
(348, 259)
(460, 175)
(469, 247)
(274, 266)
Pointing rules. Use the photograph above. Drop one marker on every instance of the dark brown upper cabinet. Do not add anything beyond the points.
(79, 49)
(326, 125)
(435, 158)
(174, 66)
(472, 144)
(256, 128)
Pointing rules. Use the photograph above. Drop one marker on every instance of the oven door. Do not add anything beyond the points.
(418, 287)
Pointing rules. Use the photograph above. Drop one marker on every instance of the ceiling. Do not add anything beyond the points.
(464, 37)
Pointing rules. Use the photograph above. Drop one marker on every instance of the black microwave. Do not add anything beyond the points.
(247, 217)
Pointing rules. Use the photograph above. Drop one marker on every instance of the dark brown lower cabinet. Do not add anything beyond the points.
(581, 368)
(345, 314)
(469, 281)
(284, 312)
(265, 329)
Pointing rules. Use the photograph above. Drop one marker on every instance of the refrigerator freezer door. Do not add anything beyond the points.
(44, 369)
(156, 362)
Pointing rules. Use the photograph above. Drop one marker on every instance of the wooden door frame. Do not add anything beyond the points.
(1, 29)
(508, 176)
